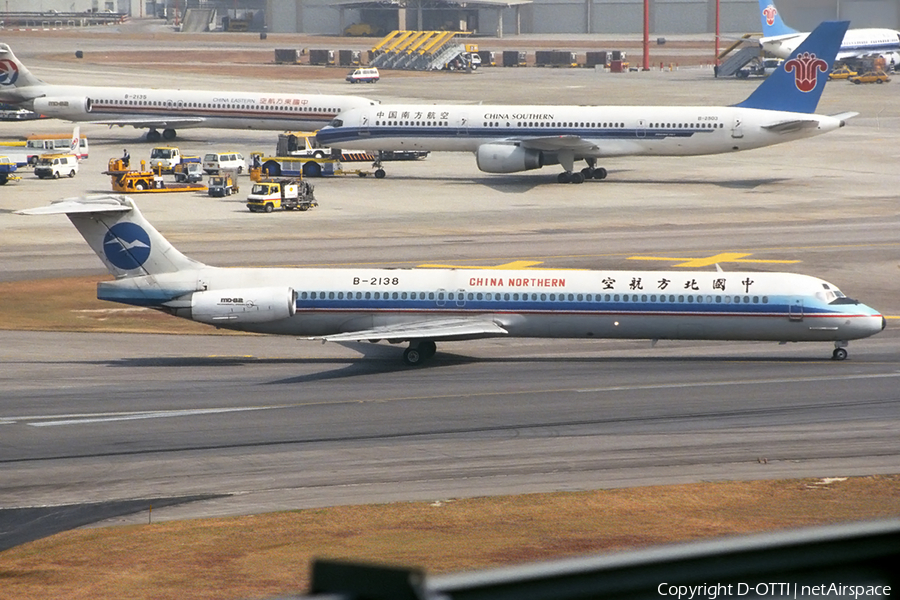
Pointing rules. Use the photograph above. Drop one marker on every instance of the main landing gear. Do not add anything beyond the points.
(154, 136)
(571, 176)
(419, 352)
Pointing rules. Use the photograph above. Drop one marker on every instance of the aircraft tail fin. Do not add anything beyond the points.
(798, 83)
(124, 240)
(13, 74)
(74, 145)
(772, 25)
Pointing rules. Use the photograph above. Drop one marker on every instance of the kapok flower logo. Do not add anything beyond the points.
(769, 13)
(806, 67)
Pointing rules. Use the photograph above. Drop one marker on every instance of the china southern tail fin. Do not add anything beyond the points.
(124, 240)
(797, 84)
(13, 74)
(772, 25)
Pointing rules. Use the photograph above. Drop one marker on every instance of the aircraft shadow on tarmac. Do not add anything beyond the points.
(386, 360)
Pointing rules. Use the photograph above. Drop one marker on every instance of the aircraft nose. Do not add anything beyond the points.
(883, 323)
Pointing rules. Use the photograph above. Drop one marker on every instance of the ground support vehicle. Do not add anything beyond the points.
(870, 77)
(221, 185)
(134, 182)
(7, 170)
(224, 161)
(191, 172)
(280, 166)
(268, 195)
(164, 159)
(56, 165)
(364, 75)
(843, 72)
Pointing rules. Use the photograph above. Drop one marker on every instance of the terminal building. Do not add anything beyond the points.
(492, 17)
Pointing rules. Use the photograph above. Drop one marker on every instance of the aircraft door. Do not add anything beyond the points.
(641, 128)
(364, 126)
(737, 130)
(795, 310)
(462, 126)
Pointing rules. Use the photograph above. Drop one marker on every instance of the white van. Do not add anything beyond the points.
(55, 165)
(364, 76)
(224, 161)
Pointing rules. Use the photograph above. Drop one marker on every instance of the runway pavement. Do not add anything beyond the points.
(274, 423)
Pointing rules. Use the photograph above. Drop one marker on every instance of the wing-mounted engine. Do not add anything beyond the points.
(508, 158)
(63, 107)
(243, 305)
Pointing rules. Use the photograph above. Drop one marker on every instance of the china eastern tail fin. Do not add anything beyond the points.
(772, 25)
(797, 84)
(13, 74)
(124, 240)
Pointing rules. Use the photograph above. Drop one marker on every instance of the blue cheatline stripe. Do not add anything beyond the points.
(333, 137)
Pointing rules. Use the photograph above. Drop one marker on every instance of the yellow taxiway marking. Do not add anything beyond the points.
(510, 266)
(722, 257)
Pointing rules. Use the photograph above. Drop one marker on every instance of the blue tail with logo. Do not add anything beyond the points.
(772, 25)
(797, 84)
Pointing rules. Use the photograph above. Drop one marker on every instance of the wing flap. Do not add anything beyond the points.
(557, 143)
(437, 329)
(158, 123)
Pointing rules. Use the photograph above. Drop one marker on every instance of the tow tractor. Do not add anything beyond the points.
(295, 166)
(223, 184)
(134, 181)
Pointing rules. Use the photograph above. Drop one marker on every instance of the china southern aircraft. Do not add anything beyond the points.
(781, 41)
(167, 109)
(509, 139)
(425, 306)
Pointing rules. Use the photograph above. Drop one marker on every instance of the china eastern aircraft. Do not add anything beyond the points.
(167, 109)
(425, 306)
(510, 139)
(781, 41)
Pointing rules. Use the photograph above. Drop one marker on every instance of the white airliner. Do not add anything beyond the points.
(509, 139)
(781, 41)
(167, 109)
(425, 306)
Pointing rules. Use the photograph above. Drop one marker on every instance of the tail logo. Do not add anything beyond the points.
(806, 67)
(769, 13)
(127, 246)
(9, 72)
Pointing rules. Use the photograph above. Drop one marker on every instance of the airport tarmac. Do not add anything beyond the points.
(281, 423)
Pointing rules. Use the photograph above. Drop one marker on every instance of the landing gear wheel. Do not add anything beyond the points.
(153, 136)
(413, 357)
(427, 348)
(587, 173)
(379, 173)
(169, 134)
(839, 354)
(600, 173)
(564, 177)
(577, 178)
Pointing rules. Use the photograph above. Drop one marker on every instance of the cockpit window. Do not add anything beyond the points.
(336, 123)
(842, 299)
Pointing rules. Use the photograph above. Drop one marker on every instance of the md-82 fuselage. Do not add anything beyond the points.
(168, 109)
(426, 306)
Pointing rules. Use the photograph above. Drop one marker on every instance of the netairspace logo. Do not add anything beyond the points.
(776, 590)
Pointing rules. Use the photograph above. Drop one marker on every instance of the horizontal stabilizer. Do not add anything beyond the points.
(437, 329)
(792, 125)
(845, 115)
(90, 204)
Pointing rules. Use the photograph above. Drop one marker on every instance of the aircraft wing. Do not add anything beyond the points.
(457, 328)
(556, 143)
(162, 123)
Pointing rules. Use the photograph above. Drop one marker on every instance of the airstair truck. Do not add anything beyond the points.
(285, 194)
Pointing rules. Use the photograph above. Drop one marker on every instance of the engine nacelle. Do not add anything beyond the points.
(243, 305)
(66, 107)
(507, 158)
